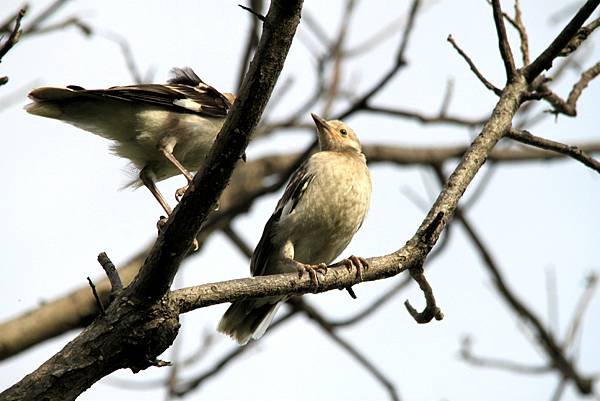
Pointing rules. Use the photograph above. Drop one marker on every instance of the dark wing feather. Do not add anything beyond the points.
(185, 76)
(288, 202)
(185, 93)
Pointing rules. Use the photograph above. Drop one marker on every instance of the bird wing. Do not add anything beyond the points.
(185, 92)
(292, 195)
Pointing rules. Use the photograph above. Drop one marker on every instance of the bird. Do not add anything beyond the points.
(162, 129)
(323, 206)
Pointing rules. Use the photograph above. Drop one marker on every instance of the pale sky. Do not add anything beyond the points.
(62, 205)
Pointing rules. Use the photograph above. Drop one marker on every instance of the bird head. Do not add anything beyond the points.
(336, 136)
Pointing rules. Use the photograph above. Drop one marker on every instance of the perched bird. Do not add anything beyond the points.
(322, 207)
(164, 130)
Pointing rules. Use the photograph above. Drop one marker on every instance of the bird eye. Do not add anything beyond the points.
(343, 132)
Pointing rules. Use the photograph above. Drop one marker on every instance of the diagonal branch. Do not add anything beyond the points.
(545, 59)
(503, 44)
(469, 61)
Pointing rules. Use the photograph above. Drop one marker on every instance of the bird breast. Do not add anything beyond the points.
(332, 208)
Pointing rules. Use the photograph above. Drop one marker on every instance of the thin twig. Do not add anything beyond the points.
(584, 300)
(258, 15)
(44, 15)
(440, 118)
(15, 34)
(96, 297)
(467, 355)
(481, 78)
(520, 26)
(398, 64)
(503, 44)
(571, 151)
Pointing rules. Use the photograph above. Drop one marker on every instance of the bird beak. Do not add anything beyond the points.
(321, 123)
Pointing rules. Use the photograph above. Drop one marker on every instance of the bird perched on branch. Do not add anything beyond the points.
(164, 130)
(323, 206)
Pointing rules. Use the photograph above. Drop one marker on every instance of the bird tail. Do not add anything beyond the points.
(248, 318)
(46, 101)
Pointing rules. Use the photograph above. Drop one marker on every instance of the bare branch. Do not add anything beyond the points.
(96, 297)
(12, 39)
(111, 272)
(579, 38)
(569, 107)
(398, 64)
(44, 15)
(584, 300)
(545, 59)
(466, 354)
(503, 44)
(431, 310)
(481, 78)
(440, 118)
(571, 151)
(520, 26)
(553, 351)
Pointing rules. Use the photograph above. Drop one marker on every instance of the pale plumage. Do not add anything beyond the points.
(323, 206)
(164, 130)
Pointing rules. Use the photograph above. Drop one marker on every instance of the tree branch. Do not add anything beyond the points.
(545, 59)
(503, 44)
(478, 74)
(542, 143)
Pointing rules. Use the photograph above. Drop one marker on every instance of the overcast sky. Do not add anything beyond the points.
(61, 203)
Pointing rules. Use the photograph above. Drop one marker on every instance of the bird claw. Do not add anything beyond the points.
(312, 271)
(160, 224)
(357, 262)
(180, 192)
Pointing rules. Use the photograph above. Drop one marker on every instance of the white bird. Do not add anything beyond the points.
(323, 206)
(164, 130)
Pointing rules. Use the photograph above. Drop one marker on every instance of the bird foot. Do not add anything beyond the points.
(180, 192)
(312, 271)
(357, 262)
(160, 225)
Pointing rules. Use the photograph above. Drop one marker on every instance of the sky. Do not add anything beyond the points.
(62, 204)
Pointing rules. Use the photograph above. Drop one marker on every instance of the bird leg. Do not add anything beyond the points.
(146, 177)
(312, 270)
(166, 148)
